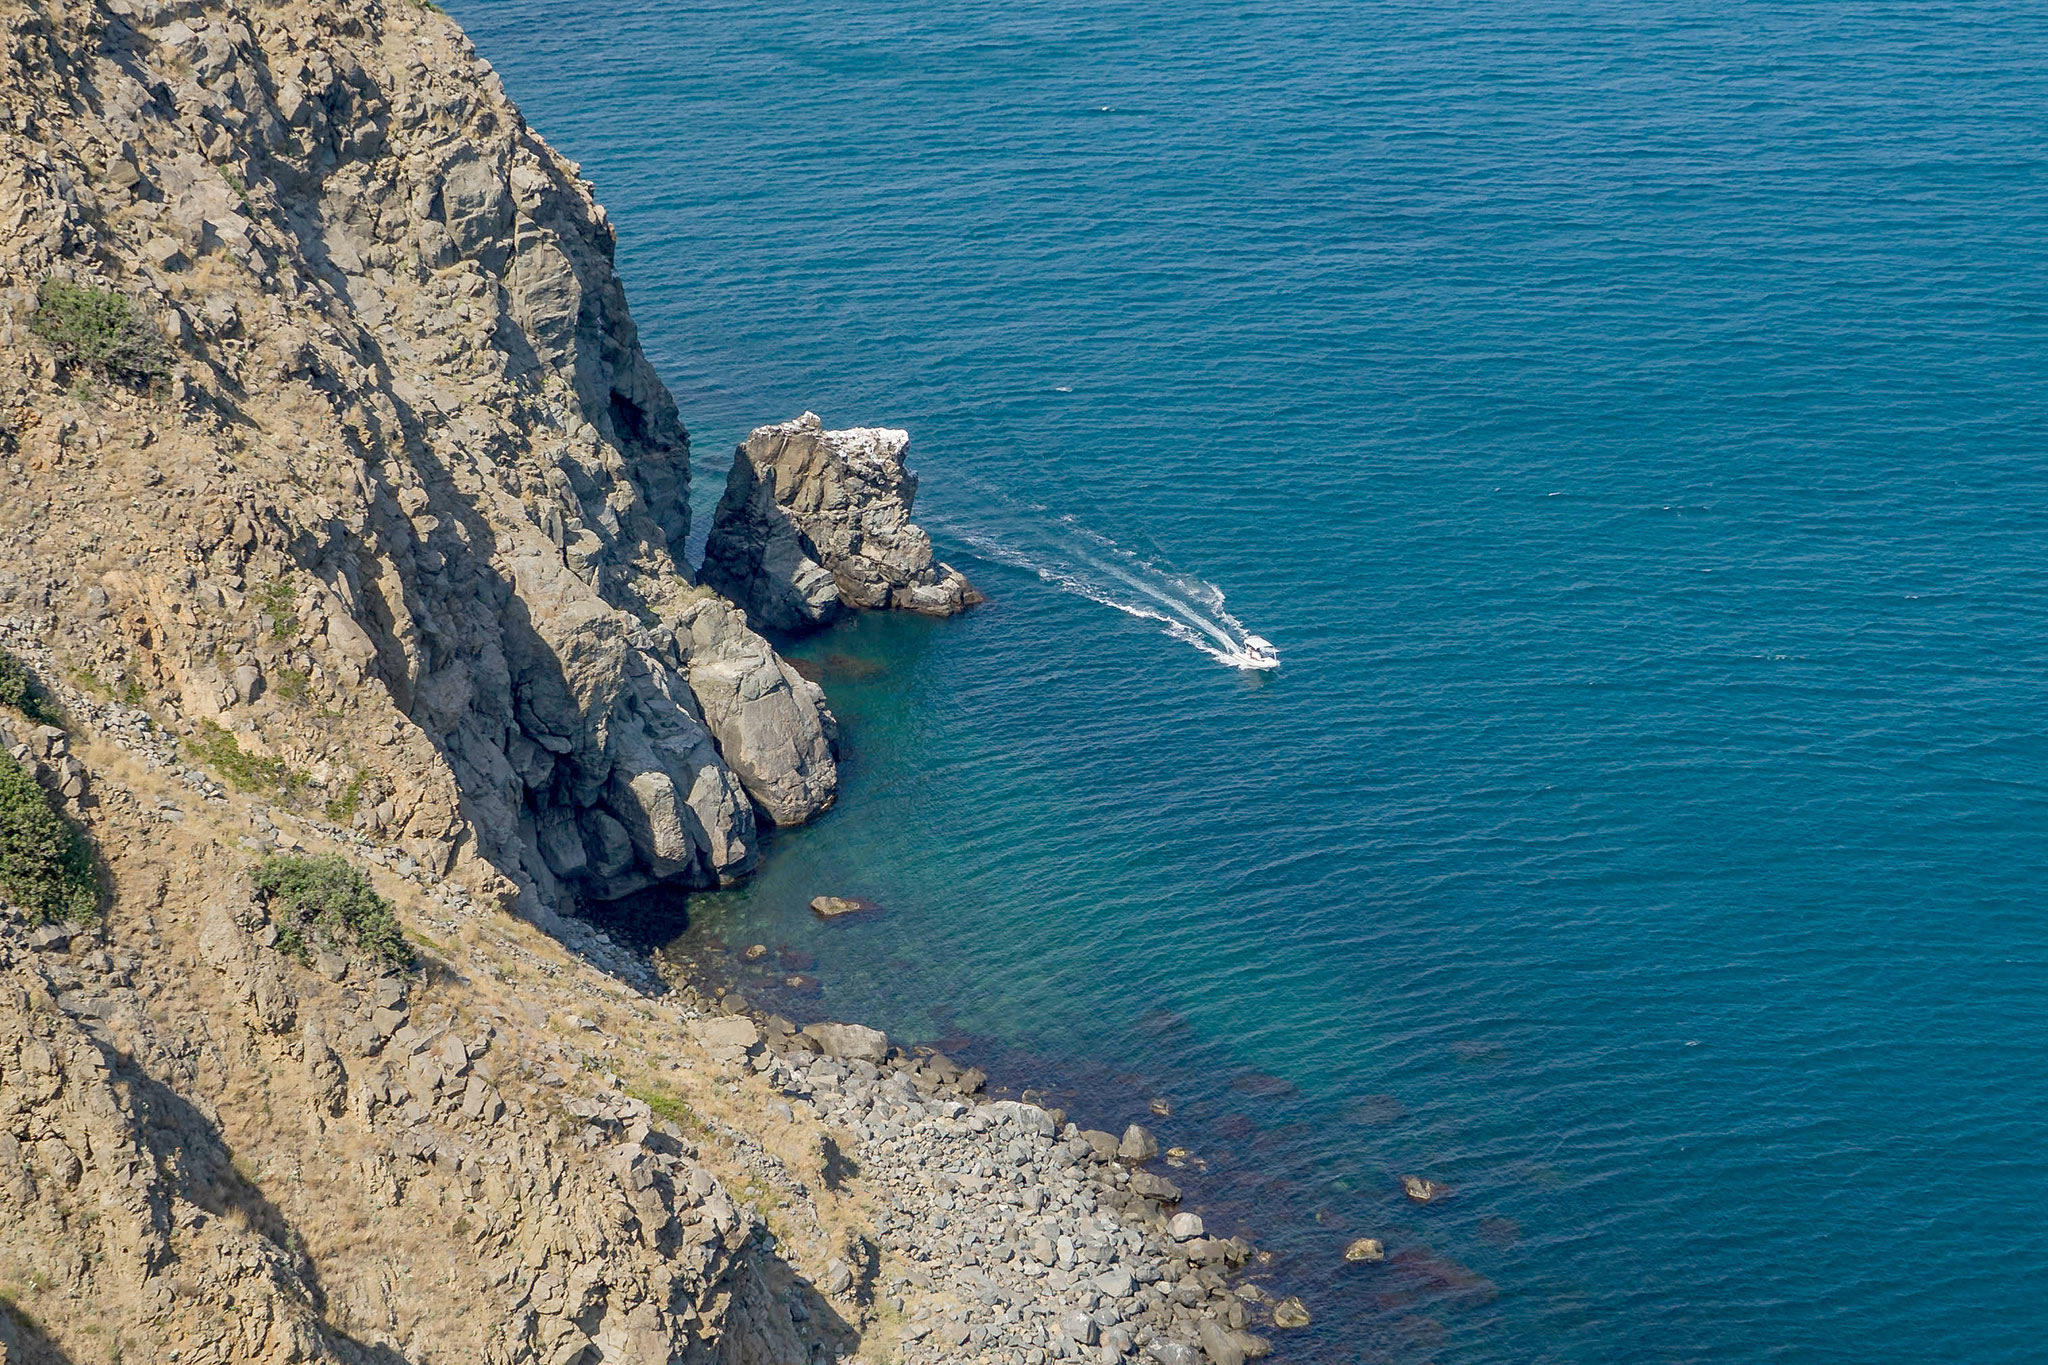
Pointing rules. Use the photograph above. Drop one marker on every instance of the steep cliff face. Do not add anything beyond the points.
(814, 522)
(407, 450)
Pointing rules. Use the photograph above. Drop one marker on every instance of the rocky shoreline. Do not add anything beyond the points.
(981, 1228)
(1028, 1237)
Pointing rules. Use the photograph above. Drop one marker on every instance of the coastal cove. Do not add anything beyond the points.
(1624, 426)
(387, 668)
(1367, 685)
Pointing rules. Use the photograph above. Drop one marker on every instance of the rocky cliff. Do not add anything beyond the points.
(405, 449)
(342, 529)
(815, 522)
(209, 1153)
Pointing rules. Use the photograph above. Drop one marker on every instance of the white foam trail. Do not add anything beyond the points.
(1088, 564)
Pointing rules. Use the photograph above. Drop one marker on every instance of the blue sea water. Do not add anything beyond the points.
(1628, 423)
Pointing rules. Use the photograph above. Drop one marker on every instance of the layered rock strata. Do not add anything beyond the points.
(815, 522)
(405, 450)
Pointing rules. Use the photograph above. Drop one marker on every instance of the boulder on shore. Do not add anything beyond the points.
(1151, 1186)
(1219, 1344)
(1138, 1146)
(852, 1042)
(730, 1030)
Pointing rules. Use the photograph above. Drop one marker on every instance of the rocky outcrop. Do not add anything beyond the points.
(210, 1152)
(407, 450)
(814, 522)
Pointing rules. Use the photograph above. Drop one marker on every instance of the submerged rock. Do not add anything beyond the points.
(814, 522)
(832, 907)
(1366, 1249)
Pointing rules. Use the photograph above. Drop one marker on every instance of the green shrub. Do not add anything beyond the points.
(667, 1104)
(342, 806)
(293, 684)
(45, 863)
(244, 771)
(278, 599)
(241, 191)
(325, 902)
(99, 331)
(19, 690)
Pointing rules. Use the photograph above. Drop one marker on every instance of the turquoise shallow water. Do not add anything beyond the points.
(1626, 420)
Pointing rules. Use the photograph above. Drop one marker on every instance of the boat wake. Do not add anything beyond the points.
(1074, 559)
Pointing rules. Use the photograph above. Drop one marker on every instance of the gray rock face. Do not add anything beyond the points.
(1219, 1345)
(495, 482)
(768, 721)
(814, 522)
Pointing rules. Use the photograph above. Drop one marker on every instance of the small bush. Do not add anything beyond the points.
(241, 191)
(99, 331)
(45, 863)
(325, 902)
(244, 771)
(19, 690)
(667, 1104)
(293, 684)
(278, 599)
(342, 806)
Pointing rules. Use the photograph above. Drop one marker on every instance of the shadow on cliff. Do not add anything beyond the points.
(644, 922)
(23, 1341)
(431, 579)
(769, 1286)
(417, 649)
(197, 1165)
